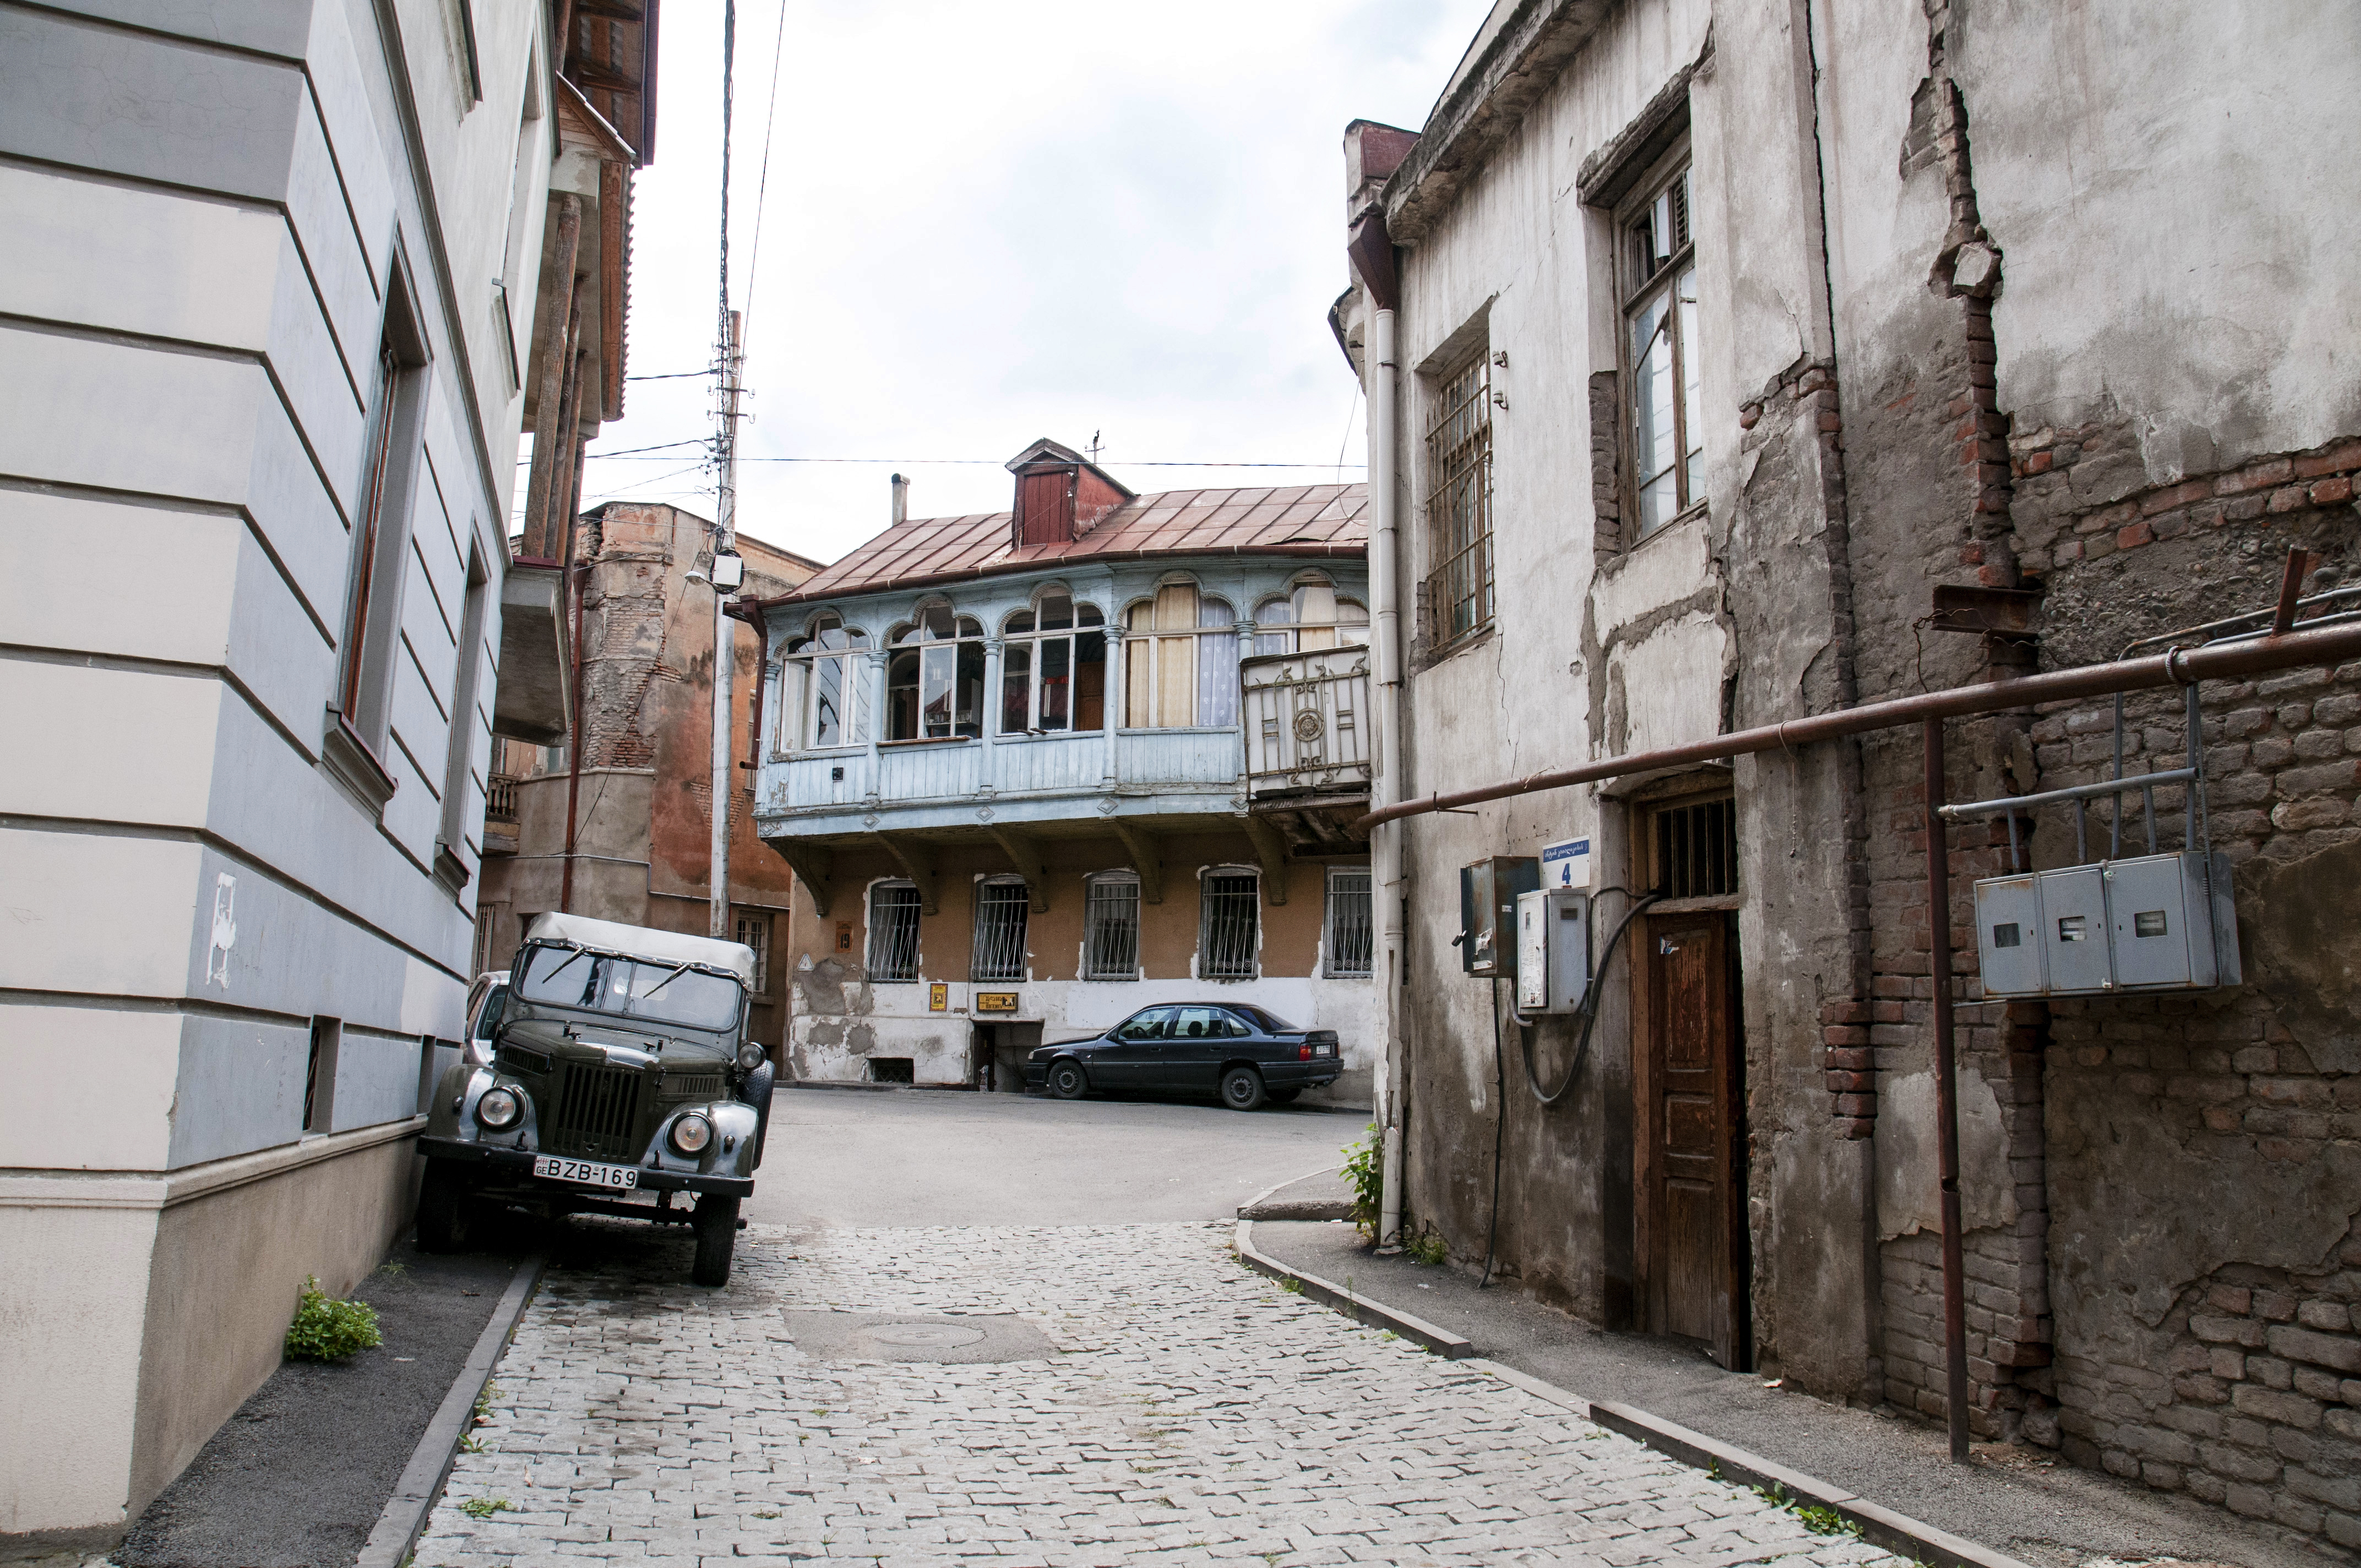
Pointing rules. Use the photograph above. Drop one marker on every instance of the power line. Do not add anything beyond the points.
(673, 376)
(633, 451)
(985, 461)
(762, 182)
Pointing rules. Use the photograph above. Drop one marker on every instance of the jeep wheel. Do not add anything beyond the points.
(1067, 1080)
(1242, 1088)
(717, 1239)
(442, 1208)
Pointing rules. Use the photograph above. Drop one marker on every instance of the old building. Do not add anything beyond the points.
(1038, 769)
(1705, 343)
(625, 835)
(274, 280)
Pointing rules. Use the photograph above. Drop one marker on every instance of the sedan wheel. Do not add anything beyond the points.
(1067, 1080)
(1242, 1088)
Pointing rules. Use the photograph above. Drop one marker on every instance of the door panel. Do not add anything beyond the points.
(1129, 1056)
(1695, 1122)
(1192, 1046)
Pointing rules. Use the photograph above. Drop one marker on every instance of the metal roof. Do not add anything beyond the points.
(1305, 519)
(643, 942)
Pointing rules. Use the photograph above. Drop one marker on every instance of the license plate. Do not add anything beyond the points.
(587, 1171)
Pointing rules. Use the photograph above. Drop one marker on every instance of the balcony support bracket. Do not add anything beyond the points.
(1271, 849)
(1024, 852)
(814, 865)
(1146, 859)
(917, 859)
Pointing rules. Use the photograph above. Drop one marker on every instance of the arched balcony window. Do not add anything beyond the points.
(1311, 618)
(823, 692)
(1180, 661)
(934, 677)
(1053, 668)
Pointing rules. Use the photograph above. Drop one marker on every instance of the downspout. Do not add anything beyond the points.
(1373, 253)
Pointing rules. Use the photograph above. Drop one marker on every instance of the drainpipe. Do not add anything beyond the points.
(1386, 851)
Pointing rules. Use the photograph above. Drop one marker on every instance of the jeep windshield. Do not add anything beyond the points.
(627, 988)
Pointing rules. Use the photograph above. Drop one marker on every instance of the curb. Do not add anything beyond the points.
(1260, 1207)
(1880, 1525)
(1441, 1341)
(429, 1463)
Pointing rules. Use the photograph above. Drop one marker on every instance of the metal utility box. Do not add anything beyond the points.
(1487, 913)
(2154, 923)
(1552, 950)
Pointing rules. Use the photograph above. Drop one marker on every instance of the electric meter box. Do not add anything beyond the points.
(2154, 923)
(1552, 950)
(1487, 913)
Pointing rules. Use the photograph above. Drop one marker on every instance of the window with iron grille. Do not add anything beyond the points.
(1111, 929)
(1697, 849)
(755, 931)
(1227, 945)
(1660, 310)
(1352, 932)
(1459, 502)
(1000, 911)
(894, 931)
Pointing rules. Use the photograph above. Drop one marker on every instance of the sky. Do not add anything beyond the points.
(983, 224)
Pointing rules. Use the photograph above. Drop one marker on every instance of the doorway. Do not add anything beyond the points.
(1691, 1087)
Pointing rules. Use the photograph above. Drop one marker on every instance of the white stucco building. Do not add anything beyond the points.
(270, 318)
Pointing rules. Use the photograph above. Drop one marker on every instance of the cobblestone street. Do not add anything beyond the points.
(1191, 1412)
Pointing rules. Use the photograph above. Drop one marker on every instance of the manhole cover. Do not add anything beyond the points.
(924, 1336)
(895, 1336)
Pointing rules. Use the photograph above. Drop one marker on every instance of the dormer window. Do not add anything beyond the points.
(934, 678)
(1061, 495)
(1053, 668)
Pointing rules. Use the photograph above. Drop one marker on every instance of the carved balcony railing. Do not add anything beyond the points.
(500, 798)
(1307, 725)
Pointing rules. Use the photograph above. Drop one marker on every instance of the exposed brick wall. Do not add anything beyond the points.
(2241, 1386)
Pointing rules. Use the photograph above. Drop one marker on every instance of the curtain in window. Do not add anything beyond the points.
(1217, 663)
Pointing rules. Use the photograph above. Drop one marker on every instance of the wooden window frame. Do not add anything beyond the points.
(1460, 540)
(1635, 292)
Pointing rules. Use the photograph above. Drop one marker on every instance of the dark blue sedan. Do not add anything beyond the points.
(1244, 1053)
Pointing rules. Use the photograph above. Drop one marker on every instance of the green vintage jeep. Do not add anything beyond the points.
(620, 1082)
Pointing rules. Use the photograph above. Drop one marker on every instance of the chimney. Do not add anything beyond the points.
(901, 499)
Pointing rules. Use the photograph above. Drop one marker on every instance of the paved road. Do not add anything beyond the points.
(925, 1157)
(1170, 1408)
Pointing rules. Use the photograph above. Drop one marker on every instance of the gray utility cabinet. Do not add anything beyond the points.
(2155, 923)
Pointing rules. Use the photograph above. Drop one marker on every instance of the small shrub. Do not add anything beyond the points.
(1818, 1517)
(1365, 1169)
(1427, 1248)
(328, 1329)
(484, 1508)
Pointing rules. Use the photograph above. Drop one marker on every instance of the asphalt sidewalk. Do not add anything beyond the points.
(2015, 1500)
(298, 1477)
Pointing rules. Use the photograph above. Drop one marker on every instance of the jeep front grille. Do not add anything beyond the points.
(593, 1114)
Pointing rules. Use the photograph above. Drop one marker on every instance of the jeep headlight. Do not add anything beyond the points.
(500, 1108)
(751, 1055)
(691, 1134)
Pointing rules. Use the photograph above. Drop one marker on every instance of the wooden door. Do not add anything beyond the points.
(1697, 1273)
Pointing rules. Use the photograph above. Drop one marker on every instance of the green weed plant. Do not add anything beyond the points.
(328, 1329)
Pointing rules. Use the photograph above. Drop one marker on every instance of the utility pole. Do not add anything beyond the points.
(725, 544)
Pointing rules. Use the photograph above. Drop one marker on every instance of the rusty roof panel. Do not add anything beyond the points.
(1313, 519)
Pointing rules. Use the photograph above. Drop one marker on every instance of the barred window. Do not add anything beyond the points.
(1696, 850)
(755, 931)
(1001, 907)
(1660, 288)
(1111, 929)
(1351, 932)
(1459, 502)
(1228, 944)
(894, 931)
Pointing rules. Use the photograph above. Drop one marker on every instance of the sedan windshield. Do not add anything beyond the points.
(627, 988)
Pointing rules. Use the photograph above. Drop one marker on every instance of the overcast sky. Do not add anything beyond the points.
(990, 223)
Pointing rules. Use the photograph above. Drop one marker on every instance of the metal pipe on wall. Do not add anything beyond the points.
(1947, 1097)
(1386, 850)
